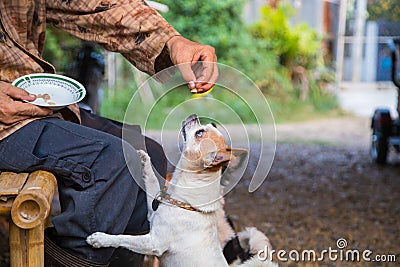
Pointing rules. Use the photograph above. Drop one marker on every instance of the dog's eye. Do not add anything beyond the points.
(199, 133)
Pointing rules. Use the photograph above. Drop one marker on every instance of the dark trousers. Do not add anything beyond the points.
(97, 190)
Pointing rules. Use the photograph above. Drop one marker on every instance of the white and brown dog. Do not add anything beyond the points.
(183, 227)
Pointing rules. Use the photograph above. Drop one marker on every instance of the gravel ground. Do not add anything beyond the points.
(322, 187)
(317, 194)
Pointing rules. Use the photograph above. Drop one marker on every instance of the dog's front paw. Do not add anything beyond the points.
(99, 240)
(144, 157)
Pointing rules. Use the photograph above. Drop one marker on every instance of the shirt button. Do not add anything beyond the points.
(86, 177)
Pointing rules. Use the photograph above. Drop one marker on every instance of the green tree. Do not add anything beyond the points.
(298, 47)
(388, 10)
(266, 56)
(295, 45)
(60, 48)
(219, 24)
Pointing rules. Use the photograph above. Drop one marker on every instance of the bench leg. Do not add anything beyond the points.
(26, 246)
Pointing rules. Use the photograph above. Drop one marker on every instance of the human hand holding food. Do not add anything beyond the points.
(202, 72)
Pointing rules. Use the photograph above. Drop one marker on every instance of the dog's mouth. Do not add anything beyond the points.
(188, 123)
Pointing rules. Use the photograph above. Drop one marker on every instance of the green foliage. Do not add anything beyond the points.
(302, 74)
(216, 23)
(219, 24)
(384, 10)
(309, 47)
(60, 48)
(274, 30)
(268, 53)
(298, 45)
(114, 105)
(293, 110)
(174, 98)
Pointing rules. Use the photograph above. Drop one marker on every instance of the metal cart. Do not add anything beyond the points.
(385, 130)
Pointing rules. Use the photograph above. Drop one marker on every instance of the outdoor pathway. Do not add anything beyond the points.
(362, 99)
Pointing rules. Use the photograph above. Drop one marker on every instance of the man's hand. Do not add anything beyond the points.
(12, 109)
(202, 72)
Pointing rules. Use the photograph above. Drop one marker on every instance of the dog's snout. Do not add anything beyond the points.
(189, 122)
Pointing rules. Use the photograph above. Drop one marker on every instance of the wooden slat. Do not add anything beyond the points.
(11, 183)
(5, 206)
(26, 246)
(32, 205)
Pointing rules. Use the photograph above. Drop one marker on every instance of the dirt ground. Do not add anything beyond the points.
(317, 194)
(322, 187)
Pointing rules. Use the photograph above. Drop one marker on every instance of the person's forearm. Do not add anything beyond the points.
(131, 28)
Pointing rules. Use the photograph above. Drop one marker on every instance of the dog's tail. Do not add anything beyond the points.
(253, 240)
(151, 184)
(256, 244)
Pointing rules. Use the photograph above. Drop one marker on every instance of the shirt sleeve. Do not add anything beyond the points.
(129, 27)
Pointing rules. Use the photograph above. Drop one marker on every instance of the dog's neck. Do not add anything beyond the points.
(199, 189)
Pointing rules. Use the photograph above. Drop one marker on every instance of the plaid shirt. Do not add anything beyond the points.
(129, 27)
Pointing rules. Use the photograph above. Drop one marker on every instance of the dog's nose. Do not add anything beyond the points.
(189, 122)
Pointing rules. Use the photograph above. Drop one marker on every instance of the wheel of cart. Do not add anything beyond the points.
(381, 130)
(385, 130)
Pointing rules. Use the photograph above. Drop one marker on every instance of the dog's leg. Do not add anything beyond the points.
(143, 244)
(152, 187)
(150, 181)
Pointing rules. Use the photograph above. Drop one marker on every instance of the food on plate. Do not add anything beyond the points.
(46, 98)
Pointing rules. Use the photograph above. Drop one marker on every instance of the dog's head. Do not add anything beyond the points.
(205, 147)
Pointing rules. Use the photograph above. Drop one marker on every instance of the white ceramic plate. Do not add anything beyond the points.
(52, 90)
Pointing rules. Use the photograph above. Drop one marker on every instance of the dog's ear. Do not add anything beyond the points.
(233, 156)
(237, 158)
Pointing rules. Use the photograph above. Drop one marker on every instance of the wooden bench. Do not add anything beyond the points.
(27, 198)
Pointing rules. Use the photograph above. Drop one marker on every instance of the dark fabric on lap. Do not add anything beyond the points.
(97, 191)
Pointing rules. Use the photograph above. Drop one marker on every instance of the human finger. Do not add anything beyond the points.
(187, 74)
(17, 111)
(18, 93)
(205, 84)
(207, 65)
(27, 110)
